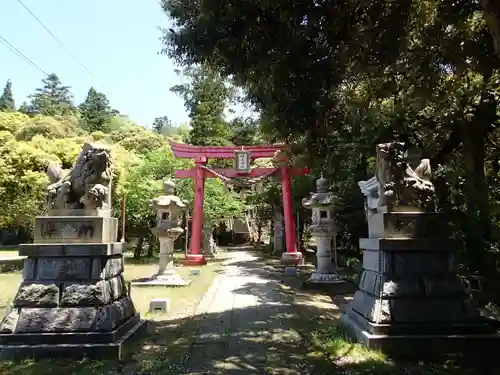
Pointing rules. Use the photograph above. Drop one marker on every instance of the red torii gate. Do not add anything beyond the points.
(243, 156)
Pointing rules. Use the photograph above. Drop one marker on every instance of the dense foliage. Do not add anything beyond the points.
(51, 128)
(336, 78)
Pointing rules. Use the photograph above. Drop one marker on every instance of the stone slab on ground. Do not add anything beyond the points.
(11, 263)
(291, 271)
(173, 282)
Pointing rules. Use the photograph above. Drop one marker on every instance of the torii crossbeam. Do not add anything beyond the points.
(243, 156)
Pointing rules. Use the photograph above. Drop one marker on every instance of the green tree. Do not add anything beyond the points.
(96, 114)
(205, 95)
(424, 72)
(48, 127)
(7, 103)
(244, 131)
(491, 10)
(162, 124)
(144, 182)
(24, 108)
(52, 99)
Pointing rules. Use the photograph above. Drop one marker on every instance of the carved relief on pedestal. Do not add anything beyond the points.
(67, 231)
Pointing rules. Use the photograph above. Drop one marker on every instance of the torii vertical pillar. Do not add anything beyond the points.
(291, 256)
(195, 257)
(201, 154)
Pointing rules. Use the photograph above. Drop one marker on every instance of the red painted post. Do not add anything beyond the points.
(291, 256)
(201, 154)
(124, 211)
(195, 257)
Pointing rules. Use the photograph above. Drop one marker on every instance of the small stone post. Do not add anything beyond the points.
(169, 210)
(209, 245)
(278, 247)
(323, 230)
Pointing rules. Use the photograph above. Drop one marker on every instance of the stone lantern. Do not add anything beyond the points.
(170, 209)
(323, 230)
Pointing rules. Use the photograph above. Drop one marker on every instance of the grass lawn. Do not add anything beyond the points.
(168, 338)
(332, 352)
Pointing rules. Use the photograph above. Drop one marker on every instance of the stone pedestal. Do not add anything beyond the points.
(194, 260)
(292, 259)
(410, 299)
(72, 301)
(325, 270)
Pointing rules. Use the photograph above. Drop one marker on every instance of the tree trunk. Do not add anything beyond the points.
(151, 246)
(477, 193)
(259, 231)
(491, 14)
(138, 248)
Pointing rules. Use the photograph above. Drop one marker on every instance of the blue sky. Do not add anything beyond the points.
(117, 40)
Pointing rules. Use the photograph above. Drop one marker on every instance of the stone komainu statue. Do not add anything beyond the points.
(399, 183)
(87, 185)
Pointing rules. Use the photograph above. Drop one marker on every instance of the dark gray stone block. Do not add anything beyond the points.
(105, 268)
(29, 269)
(38, 320)
(409, 286)
(95, 294)
(378, 261)
(422, 340)
(443, 286)
(410, 244)
(420, 263)
(407, 225)
(478, 327)
(63, 269)
(35, 250)
(382, 285)
(74, 319)
(117, 287)
(37, 295)
(94, 345)
(9, 322)
(332, 289)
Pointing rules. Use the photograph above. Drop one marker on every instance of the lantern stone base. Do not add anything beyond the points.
(292, 258)
(329, 283)
(194, 260)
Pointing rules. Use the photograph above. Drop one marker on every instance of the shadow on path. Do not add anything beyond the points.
(249, 322)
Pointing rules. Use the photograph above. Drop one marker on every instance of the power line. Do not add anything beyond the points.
(14, 50)
(57, 39)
